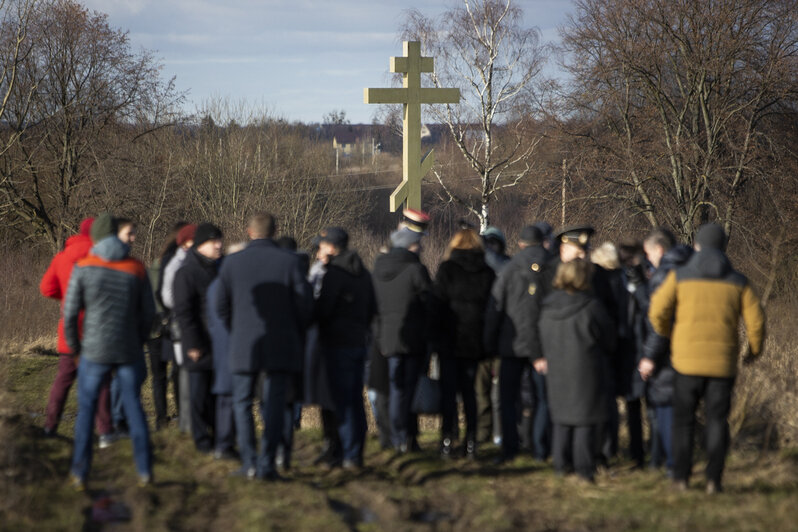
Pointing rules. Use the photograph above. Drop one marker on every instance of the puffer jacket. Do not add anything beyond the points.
(699, 306)
(402, 285)
(514, 305)
(56, 279)
(115, 293)
(462, 288)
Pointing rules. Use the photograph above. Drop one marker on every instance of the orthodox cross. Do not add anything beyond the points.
(412, 95)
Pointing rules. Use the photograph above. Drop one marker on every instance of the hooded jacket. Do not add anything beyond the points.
(346, 303)
(699, 307)
(577, 335)
(115, 293)
(461, 290)
(514, 305)
(56, 279)
(190, 302)
(659, 387)
(401, 286)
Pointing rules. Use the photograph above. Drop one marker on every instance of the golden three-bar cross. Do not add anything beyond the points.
(412, 95)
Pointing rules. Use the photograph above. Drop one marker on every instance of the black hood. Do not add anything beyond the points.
(471, 260)
(531, 255)
(710, 264)
(389, 266)
(560, 305)
(349, 261)
(676, 256)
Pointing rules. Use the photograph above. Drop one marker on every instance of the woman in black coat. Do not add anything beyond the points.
(576, 335)
(462, 287)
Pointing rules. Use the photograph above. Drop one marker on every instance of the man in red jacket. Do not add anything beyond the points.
(54, 284)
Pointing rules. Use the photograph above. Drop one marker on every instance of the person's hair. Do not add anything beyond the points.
(661, 236)
(606, 256)
(573, 276)
(630, 252)
(124, 222)
(170, 244)
(466, 239)
(262, 225)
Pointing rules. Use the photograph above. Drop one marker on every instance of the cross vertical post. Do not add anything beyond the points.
(411, 95)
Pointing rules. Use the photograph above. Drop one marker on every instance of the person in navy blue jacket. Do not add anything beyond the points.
(266, 304)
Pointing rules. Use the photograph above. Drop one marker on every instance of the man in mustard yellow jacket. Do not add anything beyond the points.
(699, 307)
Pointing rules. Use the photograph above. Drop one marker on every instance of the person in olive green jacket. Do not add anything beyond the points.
(699, 307)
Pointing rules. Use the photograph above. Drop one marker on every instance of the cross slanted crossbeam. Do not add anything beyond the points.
(412, 95)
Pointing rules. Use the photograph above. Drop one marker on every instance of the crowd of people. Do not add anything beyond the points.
(539, 347)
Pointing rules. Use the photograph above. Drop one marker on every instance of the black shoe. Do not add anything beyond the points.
(413, 445)
(49, 432)
(446, 448)
(227, 454)
(247, 473)
(503, 458)
(471, 450)
(352, 465)
(272, 476)
(328, 452)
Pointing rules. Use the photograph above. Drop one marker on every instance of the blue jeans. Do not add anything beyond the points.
(130, 377)
(403, 374)
(665, 432)
(345, 367)
(225, 429)
(273, 405)
(117, 411)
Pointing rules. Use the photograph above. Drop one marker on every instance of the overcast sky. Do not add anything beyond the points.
(299, 58)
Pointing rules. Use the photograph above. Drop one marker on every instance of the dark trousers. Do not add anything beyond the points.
(541, 424)
(403, 374)
(487, 390)
(687, 392)
(64, 379)
(329, 429)
(158, 369)
(573, 448)
(458, 375)
(273, 404)
(202, 409)
(634, 422)
(225, 427)
(346, 367)
(510, 374)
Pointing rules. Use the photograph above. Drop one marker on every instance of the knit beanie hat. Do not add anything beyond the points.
(104, 226)
(206, 231)
(185, 234)
(711, 236)
(85, 226)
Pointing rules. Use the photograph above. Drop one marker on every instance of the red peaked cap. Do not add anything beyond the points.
(416, 220)
(85, 226)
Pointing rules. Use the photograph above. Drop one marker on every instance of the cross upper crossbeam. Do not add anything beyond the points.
(411, 95)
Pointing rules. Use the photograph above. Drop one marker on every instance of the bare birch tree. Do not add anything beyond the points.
(483, 48)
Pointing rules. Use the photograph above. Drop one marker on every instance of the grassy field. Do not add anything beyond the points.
(413, 492)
